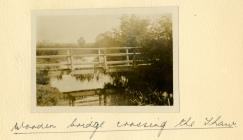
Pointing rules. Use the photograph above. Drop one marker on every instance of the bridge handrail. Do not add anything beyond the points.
(101, 55)
(80, 48)
(82, 55)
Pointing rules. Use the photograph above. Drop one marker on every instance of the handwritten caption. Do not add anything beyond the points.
(92, 127)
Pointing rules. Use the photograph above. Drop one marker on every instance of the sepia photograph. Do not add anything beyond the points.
(105, 57)
(121, 69)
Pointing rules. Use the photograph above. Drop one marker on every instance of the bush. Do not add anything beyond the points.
(150, 98)
(42, 77)
(47, 96)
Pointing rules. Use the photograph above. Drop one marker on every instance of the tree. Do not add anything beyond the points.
(156, 42)
(132, 31)
(106, 39)
(81, 42)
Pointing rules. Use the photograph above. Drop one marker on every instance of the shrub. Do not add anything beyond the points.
(47, 96)
(42, 77)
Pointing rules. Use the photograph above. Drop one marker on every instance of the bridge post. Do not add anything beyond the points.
(100, 99)
(127, 54)
(133, 59)
(99, 58)
(70, 58)
(105, 102)
(105, 63)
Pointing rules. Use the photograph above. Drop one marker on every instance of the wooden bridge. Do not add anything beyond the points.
(77, 60)
(86, 60)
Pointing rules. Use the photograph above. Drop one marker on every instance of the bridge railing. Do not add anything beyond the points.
(87, 58)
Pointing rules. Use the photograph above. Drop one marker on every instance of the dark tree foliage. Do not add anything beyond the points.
(146, 84)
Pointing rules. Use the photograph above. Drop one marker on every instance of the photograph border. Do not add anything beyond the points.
(174, 10)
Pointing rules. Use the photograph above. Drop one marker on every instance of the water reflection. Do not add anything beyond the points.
(86, 87)
(70, 83)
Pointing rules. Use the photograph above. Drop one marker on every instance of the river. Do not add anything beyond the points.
(69, 83)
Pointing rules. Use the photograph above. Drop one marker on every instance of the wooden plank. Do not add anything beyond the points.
(83, 55)
(51, 56)
(53, 69)
(60, 64)
(51, 64)
(109, 54)
(85, 63)
(77, 48)
(119, 62)
(88, 104)
(121, 54)
(86, 101)
(83, 90)
(120, 66)
(83, 94)
(114, 70)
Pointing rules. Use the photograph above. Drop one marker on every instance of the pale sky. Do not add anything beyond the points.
(68, 28)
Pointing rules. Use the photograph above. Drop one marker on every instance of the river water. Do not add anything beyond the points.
(69, 83)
